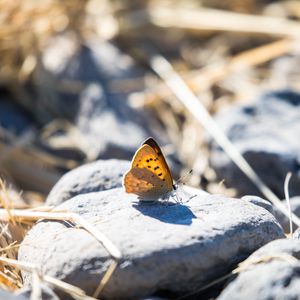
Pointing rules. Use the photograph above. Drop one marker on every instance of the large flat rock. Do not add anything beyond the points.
(175, 248)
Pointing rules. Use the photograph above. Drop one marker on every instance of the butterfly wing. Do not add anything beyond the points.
(151, 142)
(149, 175)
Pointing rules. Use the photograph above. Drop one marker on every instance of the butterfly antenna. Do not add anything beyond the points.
(183, 178)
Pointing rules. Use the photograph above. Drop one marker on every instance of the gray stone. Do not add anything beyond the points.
(260, 202)
(265, 133)
(93, 177)
(165, 247)
(274, 277)
(110, 127)
(5, 295)
(282, 219)
(96, 61)
(280, 246)
(47, 292)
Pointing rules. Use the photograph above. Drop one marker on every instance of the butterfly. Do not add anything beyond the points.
(149, 176)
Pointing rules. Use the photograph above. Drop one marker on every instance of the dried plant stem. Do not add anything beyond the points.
(177, 85)
(36, 293)
(243, 266)
(206, 77)
(220, 20)
(21, 215)
(105, 278)
(72, 290)
(287, 198)
(203, 79)
(62, 216)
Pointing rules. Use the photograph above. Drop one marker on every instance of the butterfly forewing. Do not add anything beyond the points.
(149, 175)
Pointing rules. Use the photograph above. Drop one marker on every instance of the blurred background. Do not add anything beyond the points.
(76, 86)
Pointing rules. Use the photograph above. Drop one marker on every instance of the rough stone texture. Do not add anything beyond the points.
(265, 133)
(272, 279)
(260, 202)
(97, 176)
(47, 292)
(5, 295)
(282, 219)
(286, 246)
(174, 248)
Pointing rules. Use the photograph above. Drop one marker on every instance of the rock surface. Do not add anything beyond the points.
(47, 293)
(264, 133)
(282, 219)
(174, 248)
(109, 126)
(276, 278)
(260, 202)
(5, 295)
(93, 177)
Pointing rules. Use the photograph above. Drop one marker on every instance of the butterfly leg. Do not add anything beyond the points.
(178, 198)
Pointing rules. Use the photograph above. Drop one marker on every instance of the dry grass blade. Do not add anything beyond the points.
(205, 287)
(177, 85)
(287, 198)
(8, 282)
(217, 20)
(21, 215)
(107, 244)
(70, 289)
(203, 79)
(209, 75)
(243, 266)
(105, 279)
(36, 293)
(266, 258)
(25, 215)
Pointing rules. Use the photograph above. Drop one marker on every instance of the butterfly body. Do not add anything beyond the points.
(149, 177)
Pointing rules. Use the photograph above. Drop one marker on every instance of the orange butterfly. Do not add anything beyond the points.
(149, 176)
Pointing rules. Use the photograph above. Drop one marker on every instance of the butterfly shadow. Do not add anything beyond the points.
(171, 213)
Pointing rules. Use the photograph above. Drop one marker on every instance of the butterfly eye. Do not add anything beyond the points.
(174, 187)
